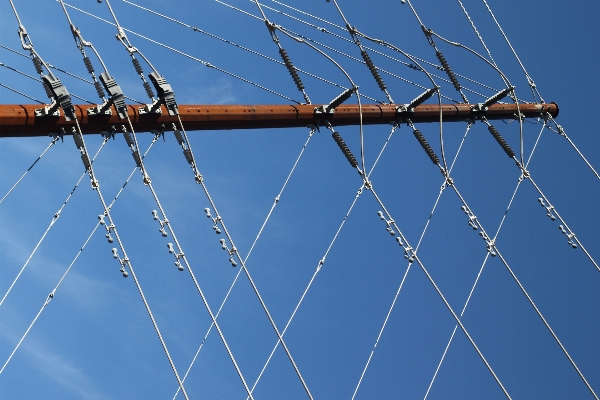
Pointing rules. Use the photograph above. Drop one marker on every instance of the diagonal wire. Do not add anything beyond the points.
(35, 79)
(52, 143)
(53, 292)
(322, 261)
(275, 202)
(205, 63)
(538, 312)
(195, 29)
(62, 70)
(21, 93)
(54, 219)
(482, 266)
(409, 266)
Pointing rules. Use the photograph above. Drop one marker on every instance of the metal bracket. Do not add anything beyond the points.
(100, 109)
(153, 108)
(48, 111)
(323, 110)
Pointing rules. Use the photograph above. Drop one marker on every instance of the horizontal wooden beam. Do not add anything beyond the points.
(21, 121)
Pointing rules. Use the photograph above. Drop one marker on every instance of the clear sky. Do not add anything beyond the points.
(94, 340)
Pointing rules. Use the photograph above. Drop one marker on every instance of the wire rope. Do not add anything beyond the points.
(63, 71)
(52, 143)
(50, 225)
(409, 65)
(442, 188)
(275, 202)
(322, 260)
(482, 267)
(21, 93)
(52, 294)
(205, 63)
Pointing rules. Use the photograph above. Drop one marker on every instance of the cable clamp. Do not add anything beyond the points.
(56, 136)
(388, 223)
(231, 251)
(159, 132)
(561, 131)
(48, 111)
(215, 220)
(100, 109)
(109, 134)
(153, 108)
(162, 223)
(571, 240)
(165, 93)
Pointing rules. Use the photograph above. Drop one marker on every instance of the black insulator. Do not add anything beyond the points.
(373, 70)
(88, 64)
(99, 90)
(47, 89)
(497, 97)
(448, 70)
(37, 63)
(78, 141)
(148, 89)
(137, 66)
(86, 161)
(178, 136)
(344, 147)
(509, 152)
(335, 103)
(288, 63)
(137, 158)
(128, 139)
(422, 98)
(425, 145)
(188, 156)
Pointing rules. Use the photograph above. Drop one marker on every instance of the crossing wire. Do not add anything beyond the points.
(276, 201)
(520, 180)
(341, 52)
(322, 260)
(63, 71)
(65, 104)
(52, 222)
(442, 188)
(409, 65)
(52, 294)
(205, 63)
(198, 30)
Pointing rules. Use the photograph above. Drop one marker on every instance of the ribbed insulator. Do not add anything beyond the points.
(288, 63)
(425, 145)
(148, 88)
(128, 139)
(88, 64)
(47, 89)
(99, 90)
(448, 70)
(509, 152)
(78, 141)
(137, 66)
(423, 97)
(178, 136)
(86, 161)
(344, 147)
(137, 158)
(340, 99)
(373, 69)
(188, 156)
(37, 63)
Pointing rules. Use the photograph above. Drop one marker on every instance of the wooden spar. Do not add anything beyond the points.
(20, 120)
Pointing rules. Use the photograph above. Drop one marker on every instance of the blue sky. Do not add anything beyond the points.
(95, 340)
